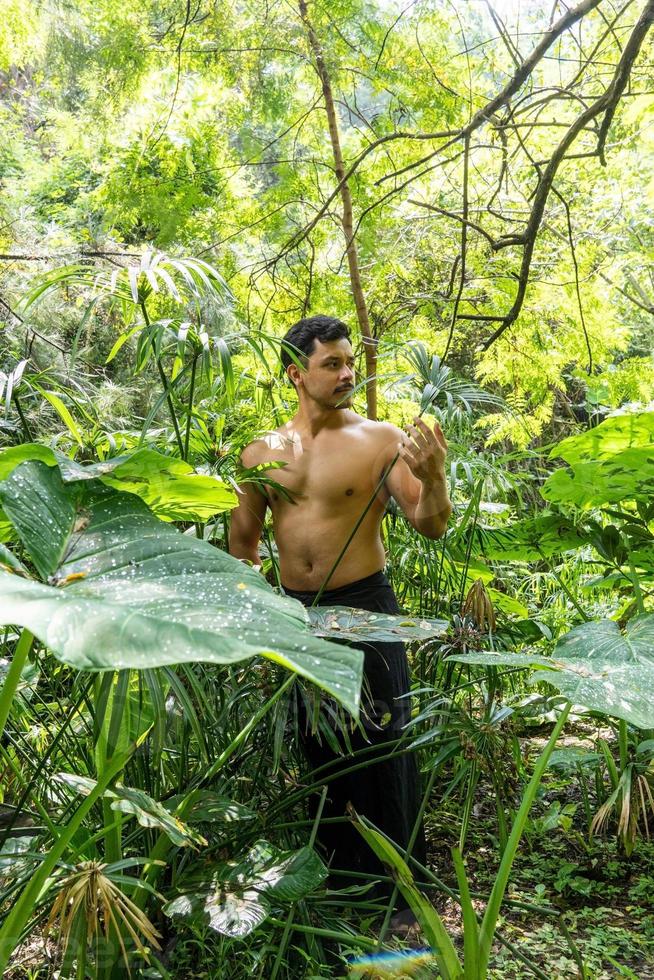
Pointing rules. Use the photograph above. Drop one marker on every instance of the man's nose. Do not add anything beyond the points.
(347, 374)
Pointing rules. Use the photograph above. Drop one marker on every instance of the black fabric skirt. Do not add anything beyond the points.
(387, 791)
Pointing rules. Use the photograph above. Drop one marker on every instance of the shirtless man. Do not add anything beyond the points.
(333, 460)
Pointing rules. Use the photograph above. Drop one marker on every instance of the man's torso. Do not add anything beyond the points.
(330, 480)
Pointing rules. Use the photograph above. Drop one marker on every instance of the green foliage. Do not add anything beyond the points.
(147, 594)
(131, 379)
(609, 464)
(237, 897)
(135, 802)
(528, 540)
(597, 666)
(363, 626)
(170, 487)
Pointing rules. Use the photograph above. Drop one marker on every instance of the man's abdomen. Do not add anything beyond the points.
(309, 543)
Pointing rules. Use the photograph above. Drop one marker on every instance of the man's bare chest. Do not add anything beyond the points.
(329, 474)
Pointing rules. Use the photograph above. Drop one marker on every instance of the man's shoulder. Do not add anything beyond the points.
(380, 431)
(265, 446)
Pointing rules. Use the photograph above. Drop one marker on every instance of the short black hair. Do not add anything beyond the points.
(304, 333)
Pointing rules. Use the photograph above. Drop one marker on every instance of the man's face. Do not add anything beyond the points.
(329, 376)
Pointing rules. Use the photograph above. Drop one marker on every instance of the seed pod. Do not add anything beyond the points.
(479, 608)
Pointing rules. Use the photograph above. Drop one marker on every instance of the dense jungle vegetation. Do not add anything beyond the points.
(470, 185)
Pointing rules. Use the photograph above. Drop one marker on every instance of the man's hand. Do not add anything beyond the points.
(424, 452)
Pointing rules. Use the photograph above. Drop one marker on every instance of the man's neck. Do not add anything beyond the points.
(313, 419)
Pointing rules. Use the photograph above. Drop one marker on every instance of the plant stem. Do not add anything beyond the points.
(164, 382)
(12, 679)
(470, 922)
(623, 743)
(240, 738)
(633, 575)
(43, 762)
(573, 948)
(114, 730)
(348, 938)
(163, 845)
(523, 959)
(36, 803)
(407, 853)
(286, 935)
(489, 923)
(189, 410)
(21, 416)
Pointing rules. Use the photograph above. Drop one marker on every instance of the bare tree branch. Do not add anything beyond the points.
(464, 247)
(606, 104)
(457, 217)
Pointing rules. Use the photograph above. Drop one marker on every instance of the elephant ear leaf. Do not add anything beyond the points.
(238, 896)
(42, 513)
(137, 803)
(170, 487)
(609, 671)
(595, 665)
(126, 590)
(345, 623)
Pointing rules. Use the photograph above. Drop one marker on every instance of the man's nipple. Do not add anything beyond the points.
(348, 493)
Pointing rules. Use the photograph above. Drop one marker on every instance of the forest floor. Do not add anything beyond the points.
(603, 901)
(587, 900)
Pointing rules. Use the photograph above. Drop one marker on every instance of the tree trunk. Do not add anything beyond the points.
(369, 341)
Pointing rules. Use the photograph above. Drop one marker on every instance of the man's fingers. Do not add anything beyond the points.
(407, 454)
(433, 437)
(439, 436)
(424, 428)
(419, 438)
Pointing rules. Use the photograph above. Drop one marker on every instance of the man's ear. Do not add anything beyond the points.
(294, 374)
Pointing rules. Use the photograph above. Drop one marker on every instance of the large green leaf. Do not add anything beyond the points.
(43, 515)
(610, 671)
(610, 463)
(238, 897)
(138, 803)
(12, 457)
(169, 486)
(526, 540)
(613, 436)
(597, 666)
(128, 591)
(626, 476)
(343, 623)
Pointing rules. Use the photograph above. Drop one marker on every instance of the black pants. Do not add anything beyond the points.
(386, 792)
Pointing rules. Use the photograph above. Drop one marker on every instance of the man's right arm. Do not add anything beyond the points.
(247, 519)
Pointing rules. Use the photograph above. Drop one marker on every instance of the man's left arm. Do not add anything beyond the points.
(417, 481)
